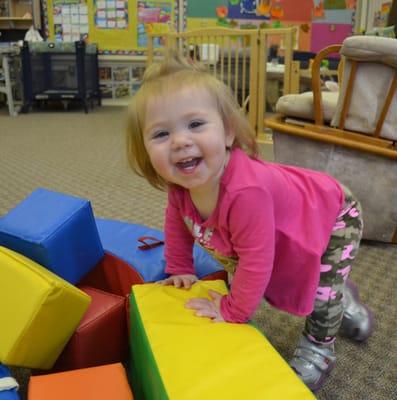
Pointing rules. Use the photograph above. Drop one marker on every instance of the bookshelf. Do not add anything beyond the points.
(19, 14)
(119, 78)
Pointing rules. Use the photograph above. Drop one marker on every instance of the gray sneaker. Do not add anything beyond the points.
(358, 320)
(313, 362)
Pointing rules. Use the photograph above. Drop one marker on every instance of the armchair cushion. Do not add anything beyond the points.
(301, 105)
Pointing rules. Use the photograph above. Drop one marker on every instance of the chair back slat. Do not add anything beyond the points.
(348, 96)
(386, 106)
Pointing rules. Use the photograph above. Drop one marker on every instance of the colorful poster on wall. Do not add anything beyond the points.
(264, 10)
(70, 20)
(153, 17)
(111, 14)
(381, 13)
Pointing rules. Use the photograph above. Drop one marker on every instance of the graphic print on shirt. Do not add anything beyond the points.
(204, 238)
(201, 237)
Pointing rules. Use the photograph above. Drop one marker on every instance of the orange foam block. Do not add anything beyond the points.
(97, 383)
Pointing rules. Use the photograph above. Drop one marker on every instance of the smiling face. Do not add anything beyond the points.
(186, 140)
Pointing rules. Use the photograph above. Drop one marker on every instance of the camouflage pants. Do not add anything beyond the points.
(323, 323)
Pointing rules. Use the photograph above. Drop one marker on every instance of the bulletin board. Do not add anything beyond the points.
(117, 26)
(333, 21)
(289, 10)
(252, 9)
(319, 22)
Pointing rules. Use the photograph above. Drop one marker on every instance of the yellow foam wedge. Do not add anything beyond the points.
(178, 356)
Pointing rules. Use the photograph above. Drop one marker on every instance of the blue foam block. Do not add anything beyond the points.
(121, 239)
(56, 230)
(8, 386)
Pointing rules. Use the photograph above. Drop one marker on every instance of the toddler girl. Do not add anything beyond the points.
(284, 233)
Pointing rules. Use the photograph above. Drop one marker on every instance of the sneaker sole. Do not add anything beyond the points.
(319, 384)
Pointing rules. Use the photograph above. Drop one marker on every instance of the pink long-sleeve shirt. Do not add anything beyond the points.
(271, 225)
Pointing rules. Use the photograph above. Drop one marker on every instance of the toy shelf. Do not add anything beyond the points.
(20, 14)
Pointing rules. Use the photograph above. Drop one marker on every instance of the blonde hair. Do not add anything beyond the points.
(172, 74)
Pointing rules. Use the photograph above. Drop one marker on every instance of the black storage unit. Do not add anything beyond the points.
(60, 71)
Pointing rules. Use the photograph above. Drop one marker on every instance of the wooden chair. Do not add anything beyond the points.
(365, 158)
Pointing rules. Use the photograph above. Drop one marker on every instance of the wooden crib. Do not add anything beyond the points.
(239, 57)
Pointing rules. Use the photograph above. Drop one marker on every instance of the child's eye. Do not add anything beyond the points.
(160, 134)
(195, 124)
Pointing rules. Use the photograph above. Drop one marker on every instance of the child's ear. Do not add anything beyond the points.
(230, 136)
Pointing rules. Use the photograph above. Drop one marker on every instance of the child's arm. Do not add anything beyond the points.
(252, 233)
(178, 251)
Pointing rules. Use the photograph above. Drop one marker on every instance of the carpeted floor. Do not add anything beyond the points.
(83, 155)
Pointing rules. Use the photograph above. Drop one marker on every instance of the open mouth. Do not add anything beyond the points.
(188, 163)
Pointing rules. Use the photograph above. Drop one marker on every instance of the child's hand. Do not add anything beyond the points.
(180, 281)
(207, 308)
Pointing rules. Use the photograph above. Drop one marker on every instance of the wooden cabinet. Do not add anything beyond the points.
(19, 14)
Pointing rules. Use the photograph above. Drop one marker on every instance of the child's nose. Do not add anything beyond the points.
(181, 139)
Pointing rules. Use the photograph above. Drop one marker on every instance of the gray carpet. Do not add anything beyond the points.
(83, 155)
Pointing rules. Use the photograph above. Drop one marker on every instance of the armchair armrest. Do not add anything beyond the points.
(316, 81)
